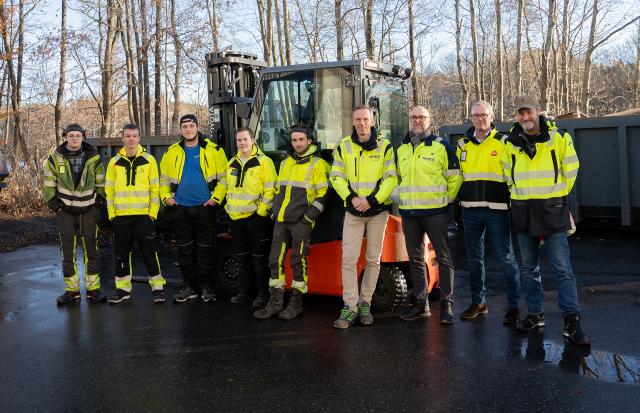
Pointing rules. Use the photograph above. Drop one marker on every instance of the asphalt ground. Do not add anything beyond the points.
(138, 356)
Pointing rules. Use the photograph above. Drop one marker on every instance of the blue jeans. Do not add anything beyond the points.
(496, 224)
(557, 248)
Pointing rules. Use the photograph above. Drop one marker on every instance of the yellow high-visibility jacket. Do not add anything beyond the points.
(213, 163)
(302, 187)
(364, 169)
(251, 186)
(541, 172)
(484, 182)
(132, 185)
(429, 176)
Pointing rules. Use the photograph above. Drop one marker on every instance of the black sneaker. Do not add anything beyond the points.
(530, 322)
(573, 330)
(158, 296)
(119, 296)
(446, 313)
(187, 293)
(96, 296)
(511, 316)
(208, 296)
(68, 297)
(416, 311)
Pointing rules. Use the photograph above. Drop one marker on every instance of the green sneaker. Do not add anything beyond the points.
(364, 314)
(346, 319)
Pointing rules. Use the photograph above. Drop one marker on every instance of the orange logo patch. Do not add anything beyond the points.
(494, 153)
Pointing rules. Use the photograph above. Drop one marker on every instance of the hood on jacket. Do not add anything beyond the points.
(89, 149)
(369, 145)
(313, 149)
(123, 152)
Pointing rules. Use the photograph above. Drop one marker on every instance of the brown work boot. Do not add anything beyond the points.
(474, 311)
(274, 306)
(511, 317)
(294, 308)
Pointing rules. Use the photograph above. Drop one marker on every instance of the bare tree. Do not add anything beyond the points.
(124, 24)
(177, 44)
(63, 63)
(544, 80)
(500, 63)
(144, 53)
(519, 47)
(367, 9)
(636, 97)
(474, 43)
(287, 33)
(212, 10)
(412, 54)
(461, 77)
(158, 65)
(339, 30)
(113, 9)
(265, 29)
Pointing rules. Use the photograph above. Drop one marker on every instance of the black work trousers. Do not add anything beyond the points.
(252, 242)
(435, 226)
(86, 226)
(196, 237)
(130, 229)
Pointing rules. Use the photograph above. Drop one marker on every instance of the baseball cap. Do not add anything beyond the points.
(528, 102)
(189, 118)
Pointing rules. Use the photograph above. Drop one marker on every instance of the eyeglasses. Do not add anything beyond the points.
(415, 118)
(480, 115)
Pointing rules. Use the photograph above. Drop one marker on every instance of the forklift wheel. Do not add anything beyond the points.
(228, 277)
(391, 291)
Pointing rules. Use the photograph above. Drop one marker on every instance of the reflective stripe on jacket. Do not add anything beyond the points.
(484, 183)
(251, 186)
(132, 186)
(58, 180)
(364, 169)
(213, 163)
(302, 187)
(429, 174)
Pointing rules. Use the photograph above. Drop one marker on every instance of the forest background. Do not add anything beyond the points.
(103, 63)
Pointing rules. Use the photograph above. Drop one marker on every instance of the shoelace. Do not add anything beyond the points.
(347, 314)
(365, 310)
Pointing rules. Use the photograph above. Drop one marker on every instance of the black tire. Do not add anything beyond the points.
(228, 280)
(391, 290)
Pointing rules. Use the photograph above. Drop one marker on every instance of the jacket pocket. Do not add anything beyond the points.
(520, 216)
(555, 214)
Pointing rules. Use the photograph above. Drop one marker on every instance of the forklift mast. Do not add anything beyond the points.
(232, 79)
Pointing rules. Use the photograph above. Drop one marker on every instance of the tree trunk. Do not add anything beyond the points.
(474, 42)
(212, 10)
(636, 100)
(279, 33)
(158, 65)
(461, 78)
(176, 80)
(368, 29)
(125, 33)
(264, 30)
(339, 30)
(145, 67)
(63, 63)
(519, 48)
(13, 84)
(500, 63)
(544, 80)
(412, 54)
(107, 69)
(139, 65)
(563, 81)
(287, 35)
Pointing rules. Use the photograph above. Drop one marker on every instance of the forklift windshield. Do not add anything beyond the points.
(318, 98)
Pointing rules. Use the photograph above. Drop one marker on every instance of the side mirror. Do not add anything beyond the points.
(243, 110)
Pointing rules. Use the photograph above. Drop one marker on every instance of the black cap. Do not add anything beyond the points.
(189, 118)
(74, 127)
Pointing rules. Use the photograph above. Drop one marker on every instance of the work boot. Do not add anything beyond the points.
(364, 314)
(274, 306)
(68, 297)
(260, 301)
(346, 319)
(96, 296)
(208, 296)
(474, 311)
(158, 296)
(511, 317)
(420, 309)
(573, 331)
(119, 296)
(446, 312)
(531, 322)
(187, 293)
(294, 308)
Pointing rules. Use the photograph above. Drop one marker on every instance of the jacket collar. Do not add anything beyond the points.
(306, 157)
(369, 145)
(122, 152)
(202, 140)
(516, 134)
(427, 139)
(89, 149)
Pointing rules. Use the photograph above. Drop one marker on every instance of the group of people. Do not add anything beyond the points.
(516, 182)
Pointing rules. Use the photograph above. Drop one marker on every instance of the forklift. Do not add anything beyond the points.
(243, 92)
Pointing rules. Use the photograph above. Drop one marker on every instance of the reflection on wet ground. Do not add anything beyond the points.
(610, 367)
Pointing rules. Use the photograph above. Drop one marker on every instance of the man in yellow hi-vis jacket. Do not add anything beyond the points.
(302, 191)
(363, 174)
(132, 187)
(541, 166)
